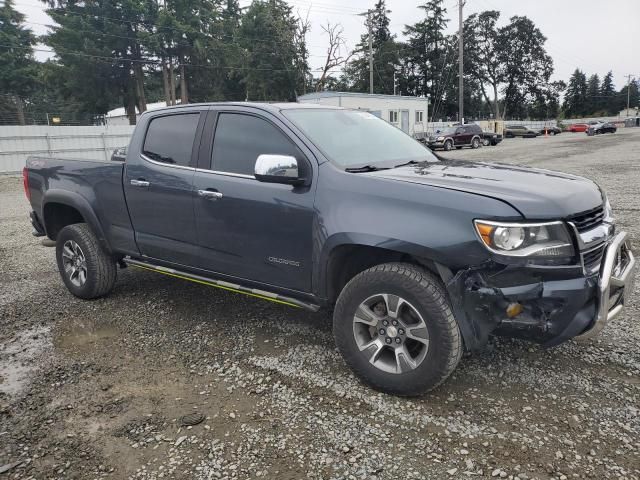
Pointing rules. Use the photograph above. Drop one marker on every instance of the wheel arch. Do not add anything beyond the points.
(61, 208)
(344, 260)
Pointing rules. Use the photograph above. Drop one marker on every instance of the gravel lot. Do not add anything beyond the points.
(97, 389)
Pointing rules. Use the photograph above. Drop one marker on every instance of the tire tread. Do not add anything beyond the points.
(434, 297)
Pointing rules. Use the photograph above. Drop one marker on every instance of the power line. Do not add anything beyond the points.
(152, 62)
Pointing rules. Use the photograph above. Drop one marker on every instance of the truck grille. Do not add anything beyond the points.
(593, 258)
(587, 220)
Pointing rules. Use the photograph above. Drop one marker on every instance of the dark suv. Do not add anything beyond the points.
(457, 136)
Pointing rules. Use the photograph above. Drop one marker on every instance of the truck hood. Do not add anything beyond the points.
(535, 193)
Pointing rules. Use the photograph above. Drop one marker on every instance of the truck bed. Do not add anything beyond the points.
(96, 185)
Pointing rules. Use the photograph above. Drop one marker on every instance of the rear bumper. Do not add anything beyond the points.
(558, 303)
(38, 229)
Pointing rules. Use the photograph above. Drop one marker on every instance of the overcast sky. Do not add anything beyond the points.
(594, 35)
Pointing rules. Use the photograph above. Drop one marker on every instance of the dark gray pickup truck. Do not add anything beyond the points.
(420, 258)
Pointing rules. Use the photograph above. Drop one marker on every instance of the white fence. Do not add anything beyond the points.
(95, 143)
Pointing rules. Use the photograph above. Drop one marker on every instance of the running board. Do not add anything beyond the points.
(231, 287)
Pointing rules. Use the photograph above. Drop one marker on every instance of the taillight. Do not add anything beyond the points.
(25, 181)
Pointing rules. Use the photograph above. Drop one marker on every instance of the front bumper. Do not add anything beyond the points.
(558, 303)
(615, 284)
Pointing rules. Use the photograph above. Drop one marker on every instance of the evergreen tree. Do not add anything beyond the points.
(575, 100)
(99, 44)
(527, 65)
(386, 59)
(17, 66)
(634, 98)
(428, 54)
(608, 95)
(594, 102)
(268, 35)
(482, 57)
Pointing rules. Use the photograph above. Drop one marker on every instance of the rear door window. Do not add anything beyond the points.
(170, 138)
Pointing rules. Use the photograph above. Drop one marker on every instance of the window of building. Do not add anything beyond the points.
(419, 116)
(170, 138)
(240, 139)
(393, 116)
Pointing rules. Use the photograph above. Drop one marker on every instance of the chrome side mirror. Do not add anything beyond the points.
(277, 169)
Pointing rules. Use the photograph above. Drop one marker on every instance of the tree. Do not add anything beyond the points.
(99, 44)
(527, 66)
(334, 57)
(634, 97)
(385, 55)
(17, 66)
(273, 65)
(429, 55)
(594, 101)
(575, 100)
(608, 95)
(482, 55)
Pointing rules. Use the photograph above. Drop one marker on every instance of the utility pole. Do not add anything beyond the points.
(370, 27)
(460, 64)
(628, 92)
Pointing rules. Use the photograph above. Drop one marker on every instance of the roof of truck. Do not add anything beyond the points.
(261, 105)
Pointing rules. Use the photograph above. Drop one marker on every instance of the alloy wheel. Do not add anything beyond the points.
(391, 333)
(74, 262)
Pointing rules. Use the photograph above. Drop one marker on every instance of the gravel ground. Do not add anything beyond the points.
(97, 389)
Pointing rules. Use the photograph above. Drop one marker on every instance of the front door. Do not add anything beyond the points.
(159, 188)
(248, 229)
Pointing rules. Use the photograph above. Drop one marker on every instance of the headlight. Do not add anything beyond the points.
(550, 240)
(439, 139)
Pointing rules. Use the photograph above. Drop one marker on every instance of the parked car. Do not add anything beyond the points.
(523, 131)
(457, 136)
(491, 138)
(578, 127)
(419, 258)
(550, 130)
(602, 127)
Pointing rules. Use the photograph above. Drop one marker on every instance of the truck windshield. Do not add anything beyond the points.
(351, 138)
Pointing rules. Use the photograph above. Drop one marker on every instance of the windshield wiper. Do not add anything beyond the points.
(410, 162)
(366, 168)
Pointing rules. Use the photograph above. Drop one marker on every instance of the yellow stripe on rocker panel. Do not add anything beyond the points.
(211, 284)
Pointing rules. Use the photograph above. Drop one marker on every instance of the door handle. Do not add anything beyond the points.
(210, 194)
(140, 183)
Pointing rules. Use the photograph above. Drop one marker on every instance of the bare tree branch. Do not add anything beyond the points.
(334, 52)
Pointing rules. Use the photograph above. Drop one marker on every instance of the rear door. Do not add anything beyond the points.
(158, 186)
(253, 230)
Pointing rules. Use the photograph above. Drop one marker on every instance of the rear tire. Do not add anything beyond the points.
(475, 143)
(412, 357)
(486, 142)
(86, 269)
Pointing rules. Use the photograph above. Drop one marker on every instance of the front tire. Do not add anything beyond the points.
(86, 269)
(448, 145)
(395, 329)
(486, 142)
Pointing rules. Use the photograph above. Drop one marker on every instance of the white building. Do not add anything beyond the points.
(408, 113)
(118, 116)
